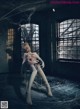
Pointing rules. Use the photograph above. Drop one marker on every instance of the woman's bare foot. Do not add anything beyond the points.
(29, 101)
(50, 93)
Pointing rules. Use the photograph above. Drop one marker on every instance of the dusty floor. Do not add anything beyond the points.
(66, 95)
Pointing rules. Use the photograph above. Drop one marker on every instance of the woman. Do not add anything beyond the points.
(34, 60)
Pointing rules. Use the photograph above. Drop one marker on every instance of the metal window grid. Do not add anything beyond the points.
(68, 40)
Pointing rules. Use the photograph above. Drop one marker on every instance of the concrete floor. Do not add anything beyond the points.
(66, 95)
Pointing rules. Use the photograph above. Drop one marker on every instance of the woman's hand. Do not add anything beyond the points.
(43, 65)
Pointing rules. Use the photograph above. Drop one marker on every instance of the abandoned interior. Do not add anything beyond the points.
(53, 31)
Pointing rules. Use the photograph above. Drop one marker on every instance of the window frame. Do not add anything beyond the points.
(66, 41)
(34, 40)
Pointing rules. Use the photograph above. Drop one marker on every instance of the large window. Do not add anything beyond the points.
(30, 34)
(68, 40)
(10, 38)
(9, 43)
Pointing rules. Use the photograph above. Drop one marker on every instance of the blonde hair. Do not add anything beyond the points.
(26, 45)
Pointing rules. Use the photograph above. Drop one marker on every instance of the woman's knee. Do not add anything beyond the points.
(35, 71)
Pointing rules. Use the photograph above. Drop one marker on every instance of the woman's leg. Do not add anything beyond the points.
(33, 75)
(45, 80)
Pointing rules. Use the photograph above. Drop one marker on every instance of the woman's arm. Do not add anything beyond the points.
(39, 58)
(24, 58)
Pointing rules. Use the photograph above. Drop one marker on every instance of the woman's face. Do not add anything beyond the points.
(27, 48)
